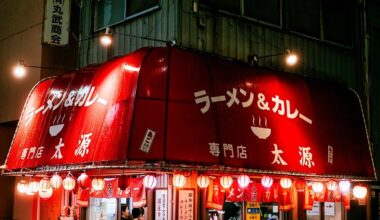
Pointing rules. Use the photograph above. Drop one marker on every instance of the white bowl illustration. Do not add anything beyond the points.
(55, 129)
(262, 133)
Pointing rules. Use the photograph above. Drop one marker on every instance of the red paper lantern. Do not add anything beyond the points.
(69, 183)
(179, 180)
(344, 185)
(44, 184)
(226, 181)
(317, 187)
(332, 185)
(150, 181)
(123, 182)
(84, 181)
(243, 181)
(45, 193)
(56, 181)
(22, 186)
(286, 183)
(34, 186)
(98, 184)
(267, 181)
(203, 181)
(360, 192)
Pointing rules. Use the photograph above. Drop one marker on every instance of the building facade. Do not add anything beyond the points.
(336, 41)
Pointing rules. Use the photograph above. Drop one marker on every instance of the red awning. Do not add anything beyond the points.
(168, 104)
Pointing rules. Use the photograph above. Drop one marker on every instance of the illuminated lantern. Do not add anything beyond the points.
(45, 193)
(317, 187)
(98, 184)
(34, 186)
(226, 181)
(28, 191)
(243, 181)
(267, 181)
(150, 181)
(56, 181)
(123, 182)
(332, 185)
(22, 186)
(84, 181)
(360, 192)
(44, 184)
(344, 185)
(68, 183)
(179, 180)
(203, 181)
(286, 183)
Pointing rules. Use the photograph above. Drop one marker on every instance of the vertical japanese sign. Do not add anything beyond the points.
(57, 22)
(161, 212)
(253, 211)
(185, 204)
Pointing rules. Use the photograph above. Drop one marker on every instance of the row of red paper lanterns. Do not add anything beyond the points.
(45, 186)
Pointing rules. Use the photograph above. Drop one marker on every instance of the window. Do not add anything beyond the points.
(263, 10)
(225, 5)
(138, 6)
(110, 12)
(338, 20)
(304, 17)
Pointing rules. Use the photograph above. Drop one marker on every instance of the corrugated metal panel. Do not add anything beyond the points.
(160, 24)
(236, 38)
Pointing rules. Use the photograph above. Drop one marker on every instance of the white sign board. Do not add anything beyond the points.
(57, 22)
(315, 210)
(186, 204)
(161, 202)
(329, 209)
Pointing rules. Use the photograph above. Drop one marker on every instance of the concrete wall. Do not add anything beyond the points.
(20, 38)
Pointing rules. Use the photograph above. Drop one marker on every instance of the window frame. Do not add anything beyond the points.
(125, 17)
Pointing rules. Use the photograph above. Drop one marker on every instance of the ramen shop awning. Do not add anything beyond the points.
(168, 104)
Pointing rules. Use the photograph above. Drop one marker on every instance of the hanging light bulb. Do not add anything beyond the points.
(150, 181)
(243, 181)
(98, 184)
(84, 181)
(360, 192)
(291, 58)
(317, 187)
(331, 185)
(226, 181)
(203, 181)
(56, 181)
(106, 38)
(69, 182)
(286, 183)
(267, 181)
(344, 185)
(179, 180)
(22, 186)
(19, 71)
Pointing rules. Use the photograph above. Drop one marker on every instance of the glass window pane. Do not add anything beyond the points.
(109, 12)
(264, 10)
(337, 20)
(232, 6)
(304, 17)
(136, 6)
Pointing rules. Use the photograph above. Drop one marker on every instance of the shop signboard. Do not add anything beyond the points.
(161, 204)
(57, 22)
(253, 211)
(185, 204)
(196, 109)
